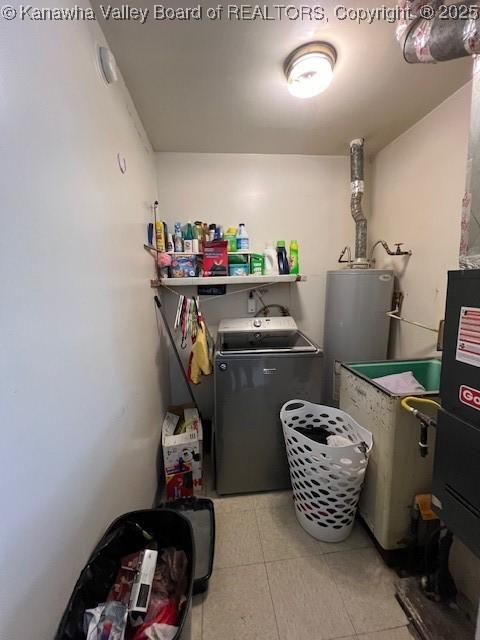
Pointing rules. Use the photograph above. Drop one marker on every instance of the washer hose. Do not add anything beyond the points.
(424, 419)
(405, 403)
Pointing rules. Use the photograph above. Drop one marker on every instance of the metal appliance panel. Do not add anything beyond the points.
(456, 486)
(356, 325)
(462, 369)
(249, 393)
(456, 476)
(237, 325)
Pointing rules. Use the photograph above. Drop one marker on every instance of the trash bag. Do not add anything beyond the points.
(129, 533)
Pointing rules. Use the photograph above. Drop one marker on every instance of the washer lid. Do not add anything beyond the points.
(283, 324)
(265, 342)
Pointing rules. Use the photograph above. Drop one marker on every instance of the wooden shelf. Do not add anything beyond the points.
(194, 282)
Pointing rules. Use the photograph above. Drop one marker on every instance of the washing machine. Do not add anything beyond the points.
(260, 363)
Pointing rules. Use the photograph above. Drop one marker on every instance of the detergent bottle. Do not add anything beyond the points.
(270, 261)
(283, 266)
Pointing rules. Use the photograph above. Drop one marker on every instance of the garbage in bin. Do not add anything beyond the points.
(326, 477)
(103, 591)
(201, 514)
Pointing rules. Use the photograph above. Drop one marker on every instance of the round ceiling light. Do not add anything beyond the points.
(309, 69)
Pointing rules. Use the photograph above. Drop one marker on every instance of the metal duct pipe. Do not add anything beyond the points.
(439, 31)
(357, 190)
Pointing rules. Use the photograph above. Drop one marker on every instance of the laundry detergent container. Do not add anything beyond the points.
(326, 480)
(396, 472)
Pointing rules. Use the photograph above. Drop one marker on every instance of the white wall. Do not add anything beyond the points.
(418, 184)
(278, 197)
(81, 392)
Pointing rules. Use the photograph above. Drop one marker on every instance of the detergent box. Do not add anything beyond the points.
(215, 258)
(182, 439)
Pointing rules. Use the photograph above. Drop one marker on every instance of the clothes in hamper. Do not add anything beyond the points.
(338, 441)
(317, 434)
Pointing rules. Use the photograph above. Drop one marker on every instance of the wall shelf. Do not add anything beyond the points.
(151, 247)
(193, 282)
(201, 253)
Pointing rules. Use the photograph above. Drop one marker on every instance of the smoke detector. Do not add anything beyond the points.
(309, 69)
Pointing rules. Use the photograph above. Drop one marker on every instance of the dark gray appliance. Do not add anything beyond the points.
(456, 481)
(260, 363)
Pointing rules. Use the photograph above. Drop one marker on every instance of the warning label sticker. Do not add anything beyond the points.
(468, 341)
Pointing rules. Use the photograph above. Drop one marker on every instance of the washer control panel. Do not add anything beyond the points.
(257, 325)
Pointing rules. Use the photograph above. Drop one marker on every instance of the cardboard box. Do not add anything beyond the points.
(182, 453)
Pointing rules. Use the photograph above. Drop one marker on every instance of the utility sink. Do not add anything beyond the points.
(426, 371)
(396, 472)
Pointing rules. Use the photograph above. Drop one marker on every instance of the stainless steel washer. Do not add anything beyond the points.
(260, 363)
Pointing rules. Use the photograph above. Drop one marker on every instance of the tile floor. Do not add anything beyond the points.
(272, 581)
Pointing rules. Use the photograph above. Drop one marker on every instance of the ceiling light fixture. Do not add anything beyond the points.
(309, 69)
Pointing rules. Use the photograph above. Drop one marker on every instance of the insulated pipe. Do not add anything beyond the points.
(357, 189)
(439, 31)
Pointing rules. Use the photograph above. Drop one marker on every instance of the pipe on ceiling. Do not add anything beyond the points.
(450, 31)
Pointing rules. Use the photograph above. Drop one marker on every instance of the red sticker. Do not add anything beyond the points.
(469, 396)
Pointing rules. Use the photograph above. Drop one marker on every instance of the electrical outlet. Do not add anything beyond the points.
(251, 306)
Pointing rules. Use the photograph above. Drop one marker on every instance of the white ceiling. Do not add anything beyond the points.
(218, 86)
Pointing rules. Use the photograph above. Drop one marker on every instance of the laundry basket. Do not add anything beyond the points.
(326, 480)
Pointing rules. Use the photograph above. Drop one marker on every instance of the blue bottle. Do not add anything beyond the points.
(283, 266)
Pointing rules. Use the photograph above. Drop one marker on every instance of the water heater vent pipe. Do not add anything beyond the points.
(357, 189)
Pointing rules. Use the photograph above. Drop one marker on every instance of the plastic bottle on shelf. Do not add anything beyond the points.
(243, 241)
(177, 238)
(160, 239)
(170, 243)
(294, 265)
(188, 239)
(270, 261)
(283, 267)
(204, 236)
(231, 238)
(195, 241)
(198, 235)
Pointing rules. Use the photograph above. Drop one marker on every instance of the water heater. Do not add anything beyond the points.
(356, 325)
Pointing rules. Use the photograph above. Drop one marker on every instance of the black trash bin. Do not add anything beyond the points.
(125, 535)
(201, 514)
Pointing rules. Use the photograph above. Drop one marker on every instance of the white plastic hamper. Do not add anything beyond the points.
(326, 480)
